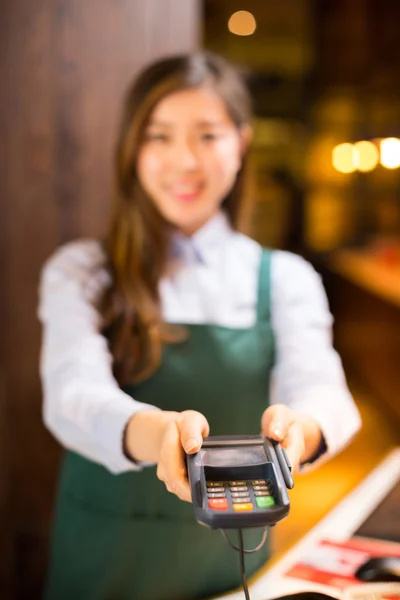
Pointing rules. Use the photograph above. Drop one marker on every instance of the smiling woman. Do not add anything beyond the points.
(181, 156)
(188, 164)
(168, 330)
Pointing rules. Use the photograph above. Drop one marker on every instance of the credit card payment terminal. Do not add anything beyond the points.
(239, 482)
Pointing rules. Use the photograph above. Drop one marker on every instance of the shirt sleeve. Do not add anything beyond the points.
(308, 375)
(83, 406)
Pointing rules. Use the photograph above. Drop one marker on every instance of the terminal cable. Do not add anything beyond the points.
(242, 552)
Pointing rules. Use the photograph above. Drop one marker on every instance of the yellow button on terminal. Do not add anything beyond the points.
(242, 507)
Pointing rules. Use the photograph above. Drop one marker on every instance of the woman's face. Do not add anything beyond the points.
(190, 157)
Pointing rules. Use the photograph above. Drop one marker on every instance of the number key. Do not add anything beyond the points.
(242, 500)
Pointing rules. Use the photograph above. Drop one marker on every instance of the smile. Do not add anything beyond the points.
(186, 193)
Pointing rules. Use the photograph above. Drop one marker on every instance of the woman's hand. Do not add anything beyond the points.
(163, 437)
(300, 435)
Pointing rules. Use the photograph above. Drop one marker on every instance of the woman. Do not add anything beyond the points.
(169, 330)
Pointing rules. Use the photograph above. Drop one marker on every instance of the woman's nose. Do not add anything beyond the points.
(185, 154)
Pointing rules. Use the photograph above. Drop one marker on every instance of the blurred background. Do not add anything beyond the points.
(325, 76)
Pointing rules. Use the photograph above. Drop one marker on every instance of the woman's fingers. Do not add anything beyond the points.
(171, 465)
(186, 433)
(279, 423)
(276, 421)
(193, 427)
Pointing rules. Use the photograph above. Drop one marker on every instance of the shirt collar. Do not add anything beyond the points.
(205, 244)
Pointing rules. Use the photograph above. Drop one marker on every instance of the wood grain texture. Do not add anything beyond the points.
(64, 67)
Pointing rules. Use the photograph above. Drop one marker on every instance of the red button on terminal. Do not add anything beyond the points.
(218, 503)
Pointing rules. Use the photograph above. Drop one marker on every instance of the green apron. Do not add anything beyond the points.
(124, 537)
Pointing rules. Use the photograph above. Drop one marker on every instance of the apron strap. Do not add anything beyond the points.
(264, 287)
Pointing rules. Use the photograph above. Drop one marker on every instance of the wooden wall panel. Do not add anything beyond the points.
(64, 65)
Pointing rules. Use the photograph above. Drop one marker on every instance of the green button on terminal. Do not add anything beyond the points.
(265, 501)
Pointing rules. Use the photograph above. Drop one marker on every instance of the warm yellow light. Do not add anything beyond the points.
(344, 158)
(390, 153)
(366, 156)
(242, 22)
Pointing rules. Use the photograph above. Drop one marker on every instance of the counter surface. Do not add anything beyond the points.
(338, 525)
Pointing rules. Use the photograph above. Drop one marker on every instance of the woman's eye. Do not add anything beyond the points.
(156, 137)
(208, 137)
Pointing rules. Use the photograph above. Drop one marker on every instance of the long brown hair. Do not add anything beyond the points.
(137, 242)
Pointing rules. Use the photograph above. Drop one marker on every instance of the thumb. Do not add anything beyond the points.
(276, 421)
(193, 427)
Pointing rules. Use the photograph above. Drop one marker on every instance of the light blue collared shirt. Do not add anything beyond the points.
(212, 277)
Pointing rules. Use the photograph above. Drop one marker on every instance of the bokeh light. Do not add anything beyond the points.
(344, 158)
(366, 156)
(390, 153)
(242, 22)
